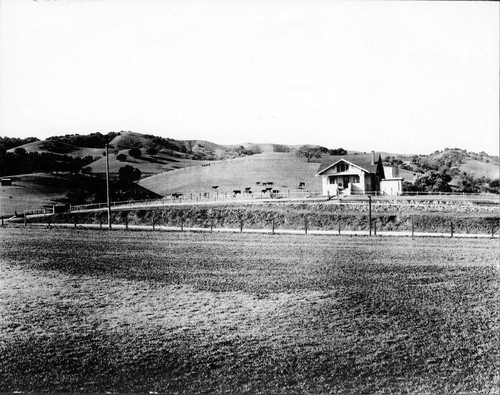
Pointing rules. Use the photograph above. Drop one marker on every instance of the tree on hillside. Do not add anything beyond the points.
(121, 157)
(494, 186)
(309, 152)
(128, 174)
(135, 152)
(242, 151)
(338, 151)
(152, 150)
(7, 143)
(86, 170)
(433, 181)
(20, 151)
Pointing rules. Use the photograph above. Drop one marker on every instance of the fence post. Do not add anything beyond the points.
(339, 225)
(48, 221)
(412, 228)
(126, 220)
(305, 224)
(153, 220)
(492, 231)
(211, 225)
(100, 222)
(272, 227)
(241, 225)
(451, 228)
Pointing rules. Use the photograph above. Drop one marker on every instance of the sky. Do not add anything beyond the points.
(402, 77)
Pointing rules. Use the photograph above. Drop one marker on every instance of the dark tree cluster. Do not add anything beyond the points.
(135, 152)
(161, 143)
(441, 169)
(242, 151)
(314, 151)
(334, 152)
(92, 140)
(128, 174)
(443, 161)
(22, 162)
(433, 181)
(309, 152)
(6, 143)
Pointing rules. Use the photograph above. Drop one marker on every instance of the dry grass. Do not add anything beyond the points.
(190, 313)
(33, 191)
(481, 169)
(284, 170)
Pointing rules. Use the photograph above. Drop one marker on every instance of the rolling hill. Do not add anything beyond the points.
(478, 168)
(195, 166)
(284, 170)
(33, 191)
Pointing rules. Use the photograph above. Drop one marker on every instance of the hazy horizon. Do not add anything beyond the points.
(402, 77)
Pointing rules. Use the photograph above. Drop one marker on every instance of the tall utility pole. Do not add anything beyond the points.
(370, 213)
(107, 185)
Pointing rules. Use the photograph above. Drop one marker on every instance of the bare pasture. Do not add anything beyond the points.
(91, 311)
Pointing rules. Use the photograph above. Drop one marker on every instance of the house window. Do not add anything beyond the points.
(331, 180)
(342, 167)
(355, 179)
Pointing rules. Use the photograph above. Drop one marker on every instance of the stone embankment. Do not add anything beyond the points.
(464, 217)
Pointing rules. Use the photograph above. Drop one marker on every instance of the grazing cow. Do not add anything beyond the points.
(302, 184)
(248, 190)
(237, 191)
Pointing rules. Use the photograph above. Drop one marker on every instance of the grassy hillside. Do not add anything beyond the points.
(147, 164)
(33, 191)
(206, 164)
(62, 148)
(284, 170)
(489, 170)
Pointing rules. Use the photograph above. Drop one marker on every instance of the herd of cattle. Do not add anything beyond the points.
(267, 187)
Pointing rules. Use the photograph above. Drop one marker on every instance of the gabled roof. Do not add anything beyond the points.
(362, 160)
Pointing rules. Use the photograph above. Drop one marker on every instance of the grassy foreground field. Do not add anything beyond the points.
(87, 311)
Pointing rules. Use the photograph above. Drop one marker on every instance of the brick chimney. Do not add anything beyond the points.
(373, 157)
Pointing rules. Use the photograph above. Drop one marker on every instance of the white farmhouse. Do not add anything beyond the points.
(358, 174)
